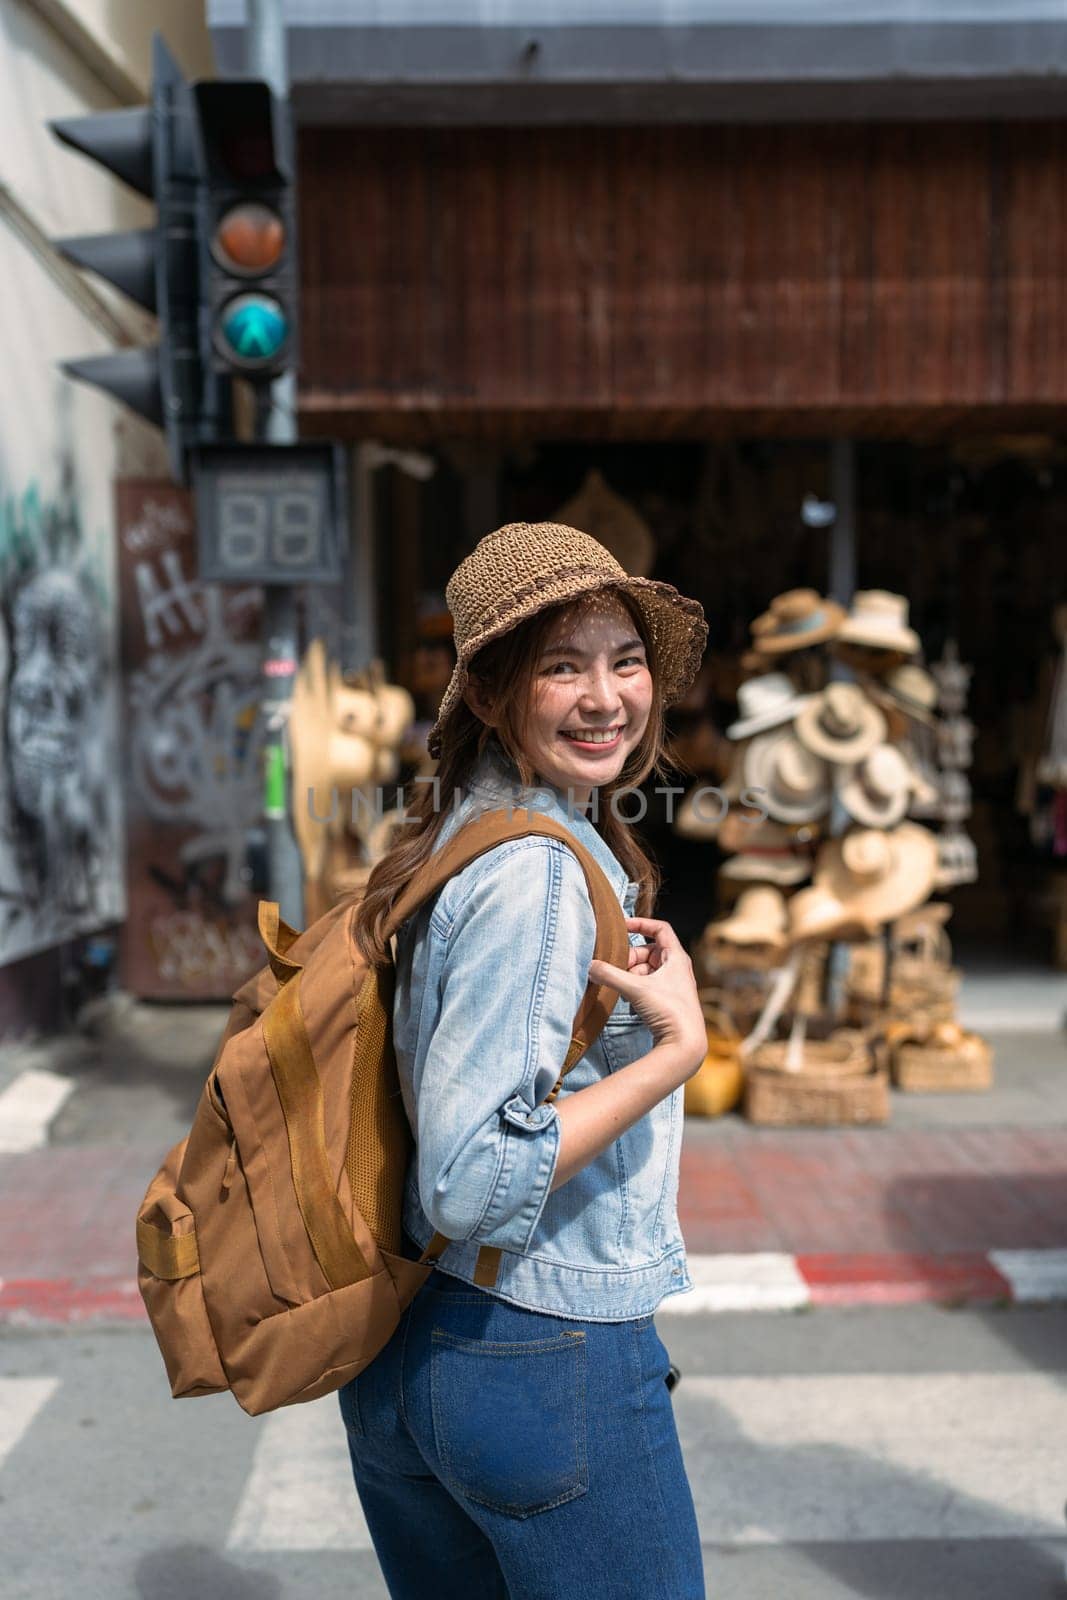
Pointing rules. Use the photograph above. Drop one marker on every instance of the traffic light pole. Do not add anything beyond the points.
(276, 422)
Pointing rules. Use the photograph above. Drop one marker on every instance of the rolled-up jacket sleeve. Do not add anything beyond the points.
(519, 933)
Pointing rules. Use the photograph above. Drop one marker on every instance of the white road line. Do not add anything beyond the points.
(20, 1401)
(27, 1106)
(762, 1281)
(300, 1494)
(852, 1457)
(1035, 1275)
(771, 1460)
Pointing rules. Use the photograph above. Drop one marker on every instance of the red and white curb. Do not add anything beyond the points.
(764, 1281)
(769, 1281)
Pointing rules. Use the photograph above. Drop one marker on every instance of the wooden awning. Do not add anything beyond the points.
(620, 282)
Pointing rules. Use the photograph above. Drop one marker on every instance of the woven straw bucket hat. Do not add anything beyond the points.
(524, 567)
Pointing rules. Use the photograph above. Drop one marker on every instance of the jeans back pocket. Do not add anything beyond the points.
(509, 1419)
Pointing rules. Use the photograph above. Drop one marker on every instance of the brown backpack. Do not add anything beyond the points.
(269, 1241)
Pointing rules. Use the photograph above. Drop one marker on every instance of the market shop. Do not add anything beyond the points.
(771, 350)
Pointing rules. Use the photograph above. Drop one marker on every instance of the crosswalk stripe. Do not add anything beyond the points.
(20, 1401)
(854, 1457)
(300, 1494)
(27, 1106)
(771, 1460)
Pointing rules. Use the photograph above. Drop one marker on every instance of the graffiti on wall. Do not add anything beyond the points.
(194, 747)
(60, 806)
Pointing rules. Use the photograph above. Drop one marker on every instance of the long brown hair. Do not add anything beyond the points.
(504, 669)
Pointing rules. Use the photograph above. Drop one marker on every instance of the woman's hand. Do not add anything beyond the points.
(660, 985)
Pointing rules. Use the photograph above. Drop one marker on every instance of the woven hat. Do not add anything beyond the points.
(758, 918)
(840, 724)
(520, 569)
(817, 913)
(765, 702)
(875, 791)
(741, 832)
(782, 866)
(795, 621)
(878, 876)
(796, 782)
(329, 747)
(879, 619)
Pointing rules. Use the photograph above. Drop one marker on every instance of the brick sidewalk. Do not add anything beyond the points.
(774, 1219)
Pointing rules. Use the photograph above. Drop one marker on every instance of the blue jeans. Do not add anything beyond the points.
(503, 1454)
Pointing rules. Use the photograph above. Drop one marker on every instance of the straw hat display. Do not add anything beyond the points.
(613, 522)
(879, 620)
(796, 620)
(868, 743)
(765, 702)
(342, 736)
(794, 783)
(840, 724)
(325, 754)
(759, 918)
(879, 876)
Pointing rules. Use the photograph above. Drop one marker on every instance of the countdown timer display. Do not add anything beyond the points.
(270, 513)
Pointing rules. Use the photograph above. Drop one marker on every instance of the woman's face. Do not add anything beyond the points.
(592, 679)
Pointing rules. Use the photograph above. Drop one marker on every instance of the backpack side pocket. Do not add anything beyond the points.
(168, 1275)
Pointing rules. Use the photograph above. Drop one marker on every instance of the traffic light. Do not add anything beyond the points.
(154, 149)
(247, 230)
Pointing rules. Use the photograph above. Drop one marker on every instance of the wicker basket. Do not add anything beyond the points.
(840, 1083)
(949, 1060)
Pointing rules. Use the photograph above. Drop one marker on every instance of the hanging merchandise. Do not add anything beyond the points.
(817, 913)
(808, 753)
(796, 620)
(759, 918)
(841, 724)
(792, 783)
(879, 876)
(343, 739)
(764, 703)
(331, 749)
(613, 522)
(765, 851)
(878, 620)
(876, 790)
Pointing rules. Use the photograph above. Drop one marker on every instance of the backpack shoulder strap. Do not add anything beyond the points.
(496, 827)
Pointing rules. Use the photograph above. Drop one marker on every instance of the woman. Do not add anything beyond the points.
(518, 1441)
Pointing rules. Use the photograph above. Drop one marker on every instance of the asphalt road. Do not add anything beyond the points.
(910, 1452)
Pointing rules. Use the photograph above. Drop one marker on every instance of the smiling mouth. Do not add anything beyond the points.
(592, 738)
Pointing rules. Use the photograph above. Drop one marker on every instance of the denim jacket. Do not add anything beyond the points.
(489, 975)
